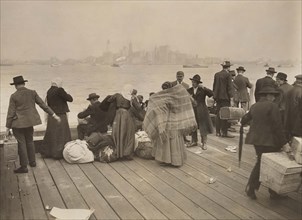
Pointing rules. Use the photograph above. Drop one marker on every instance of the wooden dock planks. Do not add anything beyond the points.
(142, 189)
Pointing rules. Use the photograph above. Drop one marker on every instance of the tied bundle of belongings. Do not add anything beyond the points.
(231, 113)
(77, 152)
(296, 146)
(143, 147)
(103, 147)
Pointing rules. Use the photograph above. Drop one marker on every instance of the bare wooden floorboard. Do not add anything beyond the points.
(144, 207)
(223, 207)
(116, 200)
(90, 194)
(170, 210)
(223, 178)
(71, 196)
(189, 207)
(32, 205)
(10, 207)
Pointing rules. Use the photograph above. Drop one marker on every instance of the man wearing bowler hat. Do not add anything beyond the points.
(22, 115)
(284, 88)
(223, 90)
(265, 81)
(96, 118)
(242, 84)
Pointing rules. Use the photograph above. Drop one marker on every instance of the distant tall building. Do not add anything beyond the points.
(108, 46)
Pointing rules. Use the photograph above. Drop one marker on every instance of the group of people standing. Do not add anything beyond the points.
(168, 117)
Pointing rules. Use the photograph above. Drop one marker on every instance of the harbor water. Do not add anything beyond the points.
(81, 79)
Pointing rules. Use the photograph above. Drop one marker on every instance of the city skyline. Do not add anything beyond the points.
(76, 29)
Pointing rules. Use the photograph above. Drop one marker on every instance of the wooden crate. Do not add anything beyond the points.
(10, 149)
(296, 146)
(231, 113)
(280, 173)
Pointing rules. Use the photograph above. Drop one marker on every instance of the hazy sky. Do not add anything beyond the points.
(76, 29)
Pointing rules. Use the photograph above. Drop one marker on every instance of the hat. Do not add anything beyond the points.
(282, 76)
(196, 78)
(180, 73)
(299, 77)
(226, 64)
(77, 152)
(232, 72)
(18, 80)
(241, 68)
(92, 96)
(271, 70)
(133, 92)
(268, 90)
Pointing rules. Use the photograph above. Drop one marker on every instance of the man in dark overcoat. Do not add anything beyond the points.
(267, 80)
(284, 88)
(223, 95)
(266, 133)
(293, 109)
(22, 116)
(242, 83)
(97, 118)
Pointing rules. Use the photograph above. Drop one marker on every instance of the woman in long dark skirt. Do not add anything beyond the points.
(57, 134)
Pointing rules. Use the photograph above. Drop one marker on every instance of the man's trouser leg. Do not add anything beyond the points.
(25, 152)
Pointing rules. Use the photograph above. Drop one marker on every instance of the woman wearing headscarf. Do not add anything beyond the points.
(169, 117)
(57, 134)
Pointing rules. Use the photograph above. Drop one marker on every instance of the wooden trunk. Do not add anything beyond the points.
(10, 148)
(280, 173)
(297, 149)
(231, 113)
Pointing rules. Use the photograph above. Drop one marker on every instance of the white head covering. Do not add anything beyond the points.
(57, 82)
(127, 90)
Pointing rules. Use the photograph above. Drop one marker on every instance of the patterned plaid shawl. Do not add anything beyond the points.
(169, 109)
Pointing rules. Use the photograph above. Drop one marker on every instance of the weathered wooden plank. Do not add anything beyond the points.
(71, 196)
(48, 191)
(158, 200)
(32, 204)
(188, 206)
(10, 207)
(237, 197)
(143, 206)
(215, 203)
(229, 179)
(121, 206)
(92, 197)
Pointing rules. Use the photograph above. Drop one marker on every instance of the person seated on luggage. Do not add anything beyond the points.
(266, 133)
(96, 118)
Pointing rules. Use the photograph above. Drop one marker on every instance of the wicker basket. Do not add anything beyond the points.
(280, 173)
(231, 113)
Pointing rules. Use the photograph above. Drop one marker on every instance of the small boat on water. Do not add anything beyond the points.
(6, 64)
(55, 64)
(285, 65)
(194, 66)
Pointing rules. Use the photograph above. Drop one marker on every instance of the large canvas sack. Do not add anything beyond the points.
(97, 141)
(77, 152)
(144, 150)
